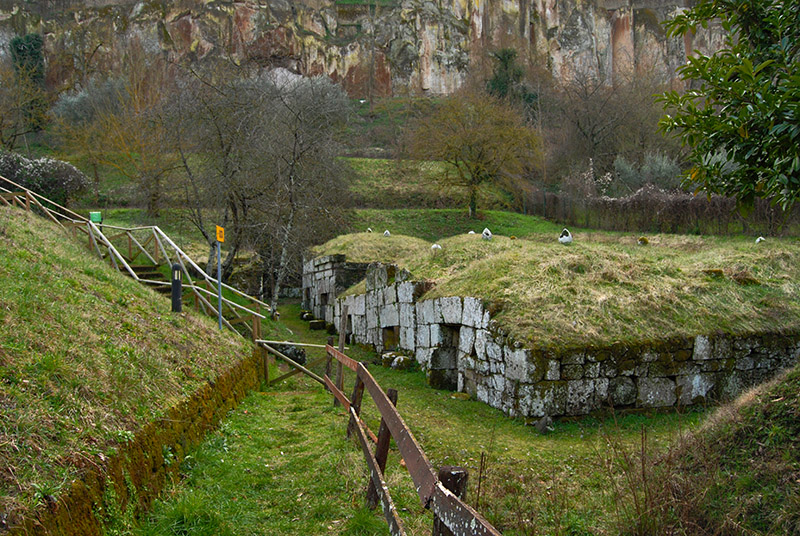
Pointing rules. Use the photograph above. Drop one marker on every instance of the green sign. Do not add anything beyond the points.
(96, 217)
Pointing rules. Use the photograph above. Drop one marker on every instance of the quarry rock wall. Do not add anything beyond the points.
(383, 48)
(461, 347)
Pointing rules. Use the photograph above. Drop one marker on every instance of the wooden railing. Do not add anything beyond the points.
(450, 510)
(135, 241)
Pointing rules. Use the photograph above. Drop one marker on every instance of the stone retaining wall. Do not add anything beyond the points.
(462, 348)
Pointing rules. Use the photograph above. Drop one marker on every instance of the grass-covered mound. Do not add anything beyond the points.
(606, 288)
(435, 224)
(87, 358)
(740, 473)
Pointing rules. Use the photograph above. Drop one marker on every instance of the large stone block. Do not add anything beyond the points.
(358, 325)
(405, 292)
(450, 309)
(437, 336)
(372, 319)
(656, 392)
(580, 397)
(553, 372)
(423, 336)
(544, 398)
(572, 372)
(407, 338)
(622, 391)
(407, 315)
(494, 351)
(481, 337)
(702, 348)
(466, 339)
(390, 295)
(390, 316)
(358, 304)
(694, 388)
(425, 312)
(472, 313)
(372, 300)
(517, 364)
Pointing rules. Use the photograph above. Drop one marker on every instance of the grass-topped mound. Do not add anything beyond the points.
(739, 473)
(87, 357)
(435, 224)
(606, 288)
(374, 247)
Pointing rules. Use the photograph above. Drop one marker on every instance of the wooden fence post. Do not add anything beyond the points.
(265, 355)
(381, 451)
(256, 322)
(329, 362)
(455, 480)
(355, 403)
(339, 366)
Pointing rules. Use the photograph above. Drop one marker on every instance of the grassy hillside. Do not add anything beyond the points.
(87, 357)
(392, 184)
(739, 473)
(605, 288)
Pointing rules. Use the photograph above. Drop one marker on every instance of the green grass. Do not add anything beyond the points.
(435, 224)
(87, 357)
(739, 473)
(605, 288)
(281, 465)
(386, 184)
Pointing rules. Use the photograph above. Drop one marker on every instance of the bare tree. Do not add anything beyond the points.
(17, 92)
(259, 152)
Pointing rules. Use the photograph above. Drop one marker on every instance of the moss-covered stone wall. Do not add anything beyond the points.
(123, 486)
(459, 344)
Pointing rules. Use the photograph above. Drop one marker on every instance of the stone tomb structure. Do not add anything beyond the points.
(459, 345)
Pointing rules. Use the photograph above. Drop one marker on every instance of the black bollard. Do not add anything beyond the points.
(177, 289)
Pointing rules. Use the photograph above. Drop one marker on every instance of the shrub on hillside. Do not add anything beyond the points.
(54, 179)
(657, 169)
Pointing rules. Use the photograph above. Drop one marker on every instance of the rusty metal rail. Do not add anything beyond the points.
(460, 518)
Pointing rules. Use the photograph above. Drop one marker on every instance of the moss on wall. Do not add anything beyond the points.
(123, 486)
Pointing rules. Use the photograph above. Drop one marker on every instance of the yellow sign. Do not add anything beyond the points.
(220, 234)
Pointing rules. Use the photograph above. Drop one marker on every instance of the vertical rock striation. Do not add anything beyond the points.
(382, 47)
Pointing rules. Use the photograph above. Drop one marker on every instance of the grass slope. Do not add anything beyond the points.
(605, 288)
(740, 473)
(87, 356)
(381, 183)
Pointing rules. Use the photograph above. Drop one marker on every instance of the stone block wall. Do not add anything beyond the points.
(462, 348)
(324, 278)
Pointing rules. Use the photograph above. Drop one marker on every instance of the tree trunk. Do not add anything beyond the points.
(473, 203)
(284, 258)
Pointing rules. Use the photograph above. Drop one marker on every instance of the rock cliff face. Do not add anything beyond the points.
(387, 47)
